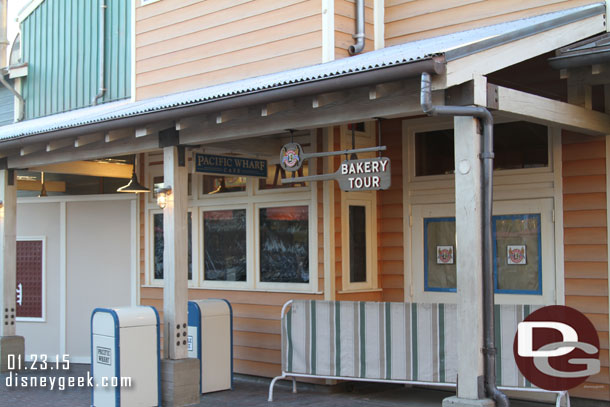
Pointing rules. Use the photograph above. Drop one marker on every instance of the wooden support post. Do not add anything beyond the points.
(9, 342)
(8, 236)
(175, 255)
(468, 208)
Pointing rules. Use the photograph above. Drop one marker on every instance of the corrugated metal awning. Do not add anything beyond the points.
(452, 46)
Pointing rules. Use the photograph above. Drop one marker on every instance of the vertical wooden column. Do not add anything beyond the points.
(8, 243)
(468, 216)
(175, 255)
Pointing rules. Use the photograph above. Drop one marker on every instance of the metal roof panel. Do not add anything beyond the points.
(453, 45)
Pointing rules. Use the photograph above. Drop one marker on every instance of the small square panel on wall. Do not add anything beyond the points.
(30, 279)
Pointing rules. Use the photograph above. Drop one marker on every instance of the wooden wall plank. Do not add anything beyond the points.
(477, 14)
(586, 269)
(585, 235)
(588, 218)
(584, 167)
(588, 287)
(284, 62)
(196, 44)
(586, 245)
(587, 304)
(575, 202)
(584, 184)
(391, 216)
(588, 252)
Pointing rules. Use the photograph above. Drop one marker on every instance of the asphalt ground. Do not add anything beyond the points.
(247, 391)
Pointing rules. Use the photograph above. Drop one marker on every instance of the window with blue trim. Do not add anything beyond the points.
(439, 254)
(517, 252)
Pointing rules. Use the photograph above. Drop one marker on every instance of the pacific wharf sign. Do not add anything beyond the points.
(219, 164)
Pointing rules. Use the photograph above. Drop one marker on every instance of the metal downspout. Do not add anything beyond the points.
(359, 36)
(17, 95)
(102, 51)
(487, 156)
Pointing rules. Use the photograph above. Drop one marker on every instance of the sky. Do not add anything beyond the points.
(14, 6)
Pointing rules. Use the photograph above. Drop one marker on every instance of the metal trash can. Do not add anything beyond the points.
(210, 339)
(125, 357)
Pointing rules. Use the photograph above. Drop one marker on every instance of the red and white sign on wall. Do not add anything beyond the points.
(30, 282)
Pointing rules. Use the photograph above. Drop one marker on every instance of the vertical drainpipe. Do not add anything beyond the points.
(487, 156)
(359, 36)
(102, 51)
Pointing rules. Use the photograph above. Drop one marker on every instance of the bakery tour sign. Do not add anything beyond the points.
(366, 174)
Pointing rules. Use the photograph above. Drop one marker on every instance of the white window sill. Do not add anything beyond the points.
(363, 290)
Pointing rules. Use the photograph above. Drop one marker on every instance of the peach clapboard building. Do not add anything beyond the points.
(243, 78)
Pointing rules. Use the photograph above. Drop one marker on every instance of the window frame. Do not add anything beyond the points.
(221, 284)
(312, 249)
(251, 199)
(515, 192)
(158, 282)
(369, 201)
(544, 207)
(43, 279)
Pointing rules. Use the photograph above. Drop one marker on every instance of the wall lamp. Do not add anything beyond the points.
(162, 194)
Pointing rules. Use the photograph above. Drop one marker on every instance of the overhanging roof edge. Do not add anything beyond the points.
(586, 12)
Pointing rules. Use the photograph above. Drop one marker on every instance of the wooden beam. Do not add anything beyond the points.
(34, 185)
(90, 168)
(327, 99)
(152, 128)
(82, 141)
(32, 148)
(92, 151)
(175, 267)
(228, 115)
(276, 107)
(58, 144)
(549, 112)
(187, 122)
(8, 250)
(495, 58)
(382, 90)
(357, 107)
(115, 135)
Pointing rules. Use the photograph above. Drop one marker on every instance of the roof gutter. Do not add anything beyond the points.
(391, 73)
(581, 59)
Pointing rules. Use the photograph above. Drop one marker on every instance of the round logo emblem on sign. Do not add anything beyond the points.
(557, 348)
(290, 157)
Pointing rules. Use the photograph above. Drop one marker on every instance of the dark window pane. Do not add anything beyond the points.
(217, 184)
(357, 244)
(516, 145)
(224, 247)
(158, 246)
(517, 250)
(520, 145)
(440, 254)
(284, 244)
(434, 152)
